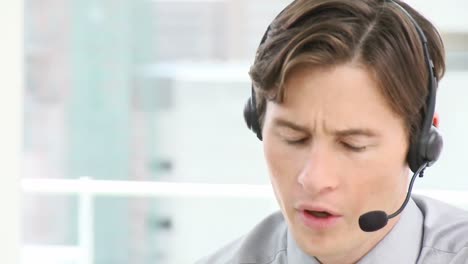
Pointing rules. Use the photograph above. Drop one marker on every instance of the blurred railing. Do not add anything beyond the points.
(86, 189)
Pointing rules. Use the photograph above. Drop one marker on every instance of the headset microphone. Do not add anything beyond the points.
(375, 220)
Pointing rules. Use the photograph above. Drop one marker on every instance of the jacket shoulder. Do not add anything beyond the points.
(261, 245)
(445, 230)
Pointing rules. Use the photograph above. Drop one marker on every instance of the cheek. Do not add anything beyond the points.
(379, 183)
(284, 164)
(283, 161)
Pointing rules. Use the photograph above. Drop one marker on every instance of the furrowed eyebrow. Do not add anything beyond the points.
(355, 132)
(280, 122)
(286, 123)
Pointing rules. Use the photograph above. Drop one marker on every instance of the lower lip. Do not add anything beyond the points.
(318, 223)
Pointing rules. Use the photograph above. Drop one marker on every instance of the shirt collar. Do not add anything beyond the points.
(401, 245)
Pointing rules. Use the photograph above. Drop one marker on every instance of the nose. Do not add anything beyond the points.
(320, 172)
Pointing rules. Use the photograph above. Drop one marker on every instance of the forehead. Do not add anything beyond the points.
(340, 96)
(332, 81)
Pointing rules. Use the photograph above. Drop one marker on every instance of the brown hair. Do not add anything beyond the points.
(373, 33)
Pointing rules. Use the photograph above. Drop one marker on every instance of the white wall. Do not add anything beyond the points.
(11, 48)
(448, 15)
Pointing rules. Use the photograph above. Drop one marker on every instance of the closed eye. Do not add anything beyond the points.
(353, 147)
(300, 141)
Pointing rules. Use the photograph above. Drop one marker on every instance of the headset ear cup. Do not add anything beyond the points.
(251, 118)
(247, 113)
(426, 149)
(434, 145)
(414, 157)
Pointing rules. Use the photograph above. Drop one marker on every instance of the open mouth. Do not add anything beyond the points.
(319, 220)
(318, 214)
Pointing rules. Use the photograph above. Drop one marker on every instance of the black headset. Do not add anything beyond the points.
(425, 150)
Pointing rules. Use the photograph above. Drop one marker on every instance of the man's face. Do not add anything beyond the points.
(335, 145)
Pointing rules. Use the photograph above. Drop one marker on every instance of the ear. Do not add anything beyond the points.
(435, 121)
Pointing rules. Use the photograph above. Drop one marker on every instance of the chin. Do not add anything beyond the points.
(319, 248)
(317, 243)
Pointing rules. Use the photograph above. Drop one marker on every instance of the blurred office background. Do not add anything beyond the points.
(153, 91)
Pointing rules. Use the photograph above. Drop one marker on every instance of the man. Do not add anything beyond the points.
(343, 99)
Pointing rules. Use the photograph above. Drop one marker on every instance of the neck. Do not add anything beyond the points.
(355, 254)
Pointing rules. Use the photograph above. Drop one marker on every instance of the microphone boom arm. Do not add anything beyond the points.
(420, 172)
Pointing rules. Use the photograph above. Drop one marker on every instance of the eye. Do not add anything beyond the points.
(300, 141)
(354, 148)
